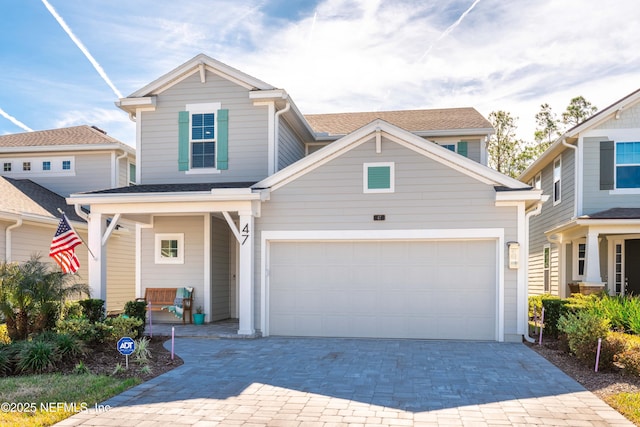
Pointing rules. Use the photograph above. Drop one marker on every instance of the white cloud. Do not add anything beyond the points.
(114, 122)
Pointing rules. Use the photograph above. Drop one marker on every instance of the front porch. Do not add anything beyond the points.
(599, 252)
(215, 330)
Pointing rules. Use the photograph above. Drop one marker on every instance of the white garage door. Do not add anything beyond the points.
(385, 289)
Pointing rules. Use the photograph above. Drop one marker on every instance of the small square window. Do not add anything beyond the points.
(169, 248)
(379, 177)
(26, 166)
(66, 165)
(7, 167)
(46, 166)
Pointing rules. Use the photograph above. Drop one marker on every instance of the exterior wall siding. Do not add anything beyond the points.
(121, 267)
(550, 217)
(189, 274)
(158, 160)
(428, 195)
(291, 148)
(219, 270)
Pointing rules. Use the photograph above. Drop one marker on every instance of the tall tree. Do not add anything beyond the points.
(547, 127)
(505, 151)
(578, 110)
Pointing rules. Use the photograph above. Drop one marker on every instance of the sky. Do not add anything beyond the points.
(65, 62)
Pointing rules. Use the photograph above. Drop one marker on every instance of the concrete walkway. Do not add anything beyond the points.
(339, 382)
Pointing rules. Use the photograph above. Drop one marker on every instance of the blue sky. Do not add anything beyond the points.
(330, 55)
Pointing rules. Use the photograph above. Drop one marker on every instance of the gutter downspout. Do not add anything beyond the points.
(534, 212)
(81, 214)
(7, 238)
(277, 134)
(575, 177)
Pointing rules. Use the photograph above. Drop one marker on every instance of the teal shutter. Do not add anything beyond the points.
(606, 165)
(462, 148)
(223, 139)
(378, 177)
(183, 140)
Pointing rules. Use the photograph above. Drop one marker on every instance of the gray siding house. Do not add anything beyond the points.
(40, 169)
(377, 224)
(587, 237)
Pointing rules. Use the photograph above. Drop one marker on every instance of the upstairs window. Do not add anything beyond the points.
(66, 165)
(203, 138)
(537, 181)
(557, 180)
(132, 174)
(627, 164)
(26, 166)
(6, 167)
(46, 166)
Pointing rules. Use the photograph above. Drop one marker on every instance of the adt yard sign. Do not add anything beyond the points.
(126, 346)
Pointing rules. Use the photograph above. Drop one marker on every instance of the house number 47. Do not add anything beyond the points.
(245, 233)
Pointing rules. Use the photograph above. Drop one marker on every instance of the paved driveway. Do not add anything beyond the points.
(322, 382)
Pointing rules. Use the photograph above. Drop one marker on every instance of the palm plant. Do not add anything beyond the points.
(32, 294)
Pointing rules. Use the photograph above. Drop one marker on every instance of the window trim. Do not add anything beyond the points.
(557, 197)
(159, 238)
(622, 190)
(546, 268)
(204, 108)
(365, 177)
(575, 273)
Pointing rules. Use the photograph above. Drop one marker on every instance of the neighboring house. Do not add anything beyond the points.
(40, 169)
(588, 234)
(380, 233)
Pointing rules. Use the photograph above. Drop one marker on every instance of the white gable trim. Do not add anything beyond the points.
(193, 66)
(397, 135)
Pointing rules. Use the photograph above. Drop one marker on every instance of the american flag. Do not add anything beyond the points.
(62, 247)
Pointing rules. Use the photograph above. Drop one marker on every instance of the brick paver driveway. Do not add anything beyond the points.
(322, 382)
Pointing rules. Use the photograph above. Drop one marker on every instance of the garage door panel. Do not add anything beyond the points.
(411, 289)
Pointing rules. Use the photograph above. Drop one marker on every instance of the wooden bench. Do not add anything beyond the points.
(158, 299)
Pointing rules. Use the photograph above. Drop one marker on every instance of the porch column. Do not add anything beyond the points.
(97, 257)
(592, 261)
(245, 275)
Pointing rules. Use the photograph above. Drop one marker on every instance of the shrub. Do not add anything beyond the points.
(630, 359)
(122, 327)
(4, 335)
(137, 309)
(69, 346)
(5, 360)
(142, 354)
(632, 314)
(554, 308)
(71, 310)
(613, 344)
(93, 309)
(37, 356)
(583, 330)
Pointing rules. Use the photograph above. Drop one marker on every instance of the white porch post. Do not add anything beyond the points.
(245, 276)
(98, 261)
(592, 262)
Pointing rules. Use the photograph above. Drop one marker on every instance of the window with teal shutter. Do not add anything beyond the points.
(378, 177)
(183, 141)
(203, 138)
(462, 148)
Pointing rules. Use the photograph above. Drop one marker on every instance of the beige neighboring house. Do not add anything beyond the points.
(377, 224)
(38, 170)
(588, 235)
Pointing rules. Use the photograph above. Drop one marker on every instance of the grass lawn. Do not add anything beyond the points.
(628, 404)
(50, 392)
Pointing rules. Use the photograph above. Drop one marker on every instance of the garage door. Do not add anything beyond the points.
(385, 289)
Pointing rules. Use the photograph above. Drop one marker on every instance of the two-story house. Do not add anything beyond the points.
(587, 237)
(380, 224)
(40, 169)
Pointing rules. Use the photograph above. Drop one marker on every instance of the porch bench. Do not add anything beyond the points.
(171, 299)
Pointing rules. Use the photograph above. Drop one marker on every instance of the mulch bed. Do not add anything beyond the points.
(602, 383)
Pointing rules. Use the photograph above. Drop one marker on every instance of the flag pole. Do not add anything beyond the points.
(79, 236)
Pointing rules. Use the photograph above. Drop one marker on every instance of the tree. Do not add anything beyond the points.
(505, 151)
(548, 127)
(578, 110)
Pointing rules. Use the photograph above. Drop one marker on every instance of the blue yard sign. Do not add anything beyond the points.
(126, 346)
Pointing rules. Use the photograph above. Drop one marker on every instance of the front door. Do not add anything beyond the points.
(632, 266)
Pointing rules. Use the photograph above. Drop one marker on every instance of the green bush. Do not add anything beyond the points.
(4, 336)
(122, 327)
(71, 310)
(613, 344)
(5, 360)
(93, 309)
(583, 329)
(554, 308)
(38, 356)
(630, 360)
(80, 328)
(69, 346)
(137, 309)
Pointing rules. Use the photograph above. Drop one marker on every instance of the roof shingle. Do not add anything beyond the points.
(411, 120)
(75, 135)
